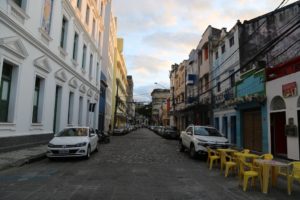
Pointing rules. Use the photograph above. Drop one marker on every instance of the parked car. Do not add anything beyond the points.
(73, 142)
(119, 131)
(170, 132)
(197, 138)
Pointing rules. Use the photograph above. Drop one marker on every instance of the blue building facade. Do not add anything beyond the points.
(250, 103)
(102, 102)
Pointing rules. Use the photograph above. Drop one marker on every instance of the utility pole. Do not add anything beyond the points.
(116, 106)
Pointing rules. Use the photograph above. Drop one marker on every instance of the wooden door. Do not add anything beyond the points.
(278, 138)
(252, 130)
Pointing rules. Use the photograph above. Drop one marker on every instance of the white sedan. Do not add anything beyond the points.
(73, 142)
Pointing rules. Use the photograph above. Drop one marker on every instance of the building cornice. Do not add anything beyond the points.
(39, 45)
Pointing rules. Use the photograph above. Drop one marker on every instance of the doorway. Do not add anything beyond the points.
(278, 138)
(225, 126)
(57, 108)
(252, 129)
(233, 129)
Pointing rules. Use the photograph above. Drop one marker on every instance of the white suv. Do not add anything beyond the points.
(197, 138)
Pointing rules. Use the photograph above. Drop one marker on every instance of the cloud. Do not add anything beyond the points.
(158, 33)
(172, 41)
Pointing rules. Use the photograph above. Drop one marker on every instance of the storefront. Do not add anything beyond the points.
(283, 106)
(251, 109)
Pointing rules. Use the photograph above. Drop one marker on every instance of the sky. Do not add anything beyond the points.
(159, 33)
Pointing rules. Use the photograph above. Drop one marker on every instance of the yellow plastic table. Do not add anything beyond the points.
(266, 166)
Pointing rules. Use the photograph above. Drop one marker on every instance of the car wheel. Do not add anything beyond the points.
(192, 151)
(88, 153)
(181, 147)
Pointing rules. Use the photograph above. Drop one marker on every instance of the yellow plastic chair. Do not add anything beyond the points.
(247, 170)
(245, 151)
(228, 162)
(266, 156)
(212, 157)
(295, 175)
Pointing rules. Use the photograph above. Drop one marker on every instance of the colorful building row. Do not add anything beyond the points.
(245, 83)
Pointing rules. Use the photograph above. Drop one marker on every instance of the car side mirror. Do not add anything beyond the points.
(189, 133)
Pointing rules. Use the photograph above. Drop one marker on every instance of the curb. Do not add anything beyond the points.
(23, 161)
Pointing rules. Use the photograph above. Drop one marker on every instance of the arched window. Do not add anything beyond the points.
(278, 103)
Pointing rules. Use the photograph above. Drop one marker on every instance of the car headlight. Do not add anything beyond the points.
(82, 144)
(51, 145)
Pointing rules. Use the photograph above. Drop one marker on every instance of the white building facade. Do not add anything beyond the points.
(50, 63)
(225, 64)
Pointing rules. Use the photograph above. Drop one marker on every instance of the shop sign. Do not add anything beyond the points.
(289, 90)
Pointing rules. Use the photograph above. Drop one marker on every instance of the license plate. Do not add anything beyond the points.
(64, 151)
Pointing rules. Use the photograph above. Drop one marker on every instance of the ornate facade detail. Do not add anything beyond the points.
(14, 45)
(61, 75)
(82, 88)
(73, 82)
(43, 64)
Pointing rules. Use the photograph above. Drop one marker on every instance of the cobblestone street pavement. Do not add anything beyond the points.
(140, 165)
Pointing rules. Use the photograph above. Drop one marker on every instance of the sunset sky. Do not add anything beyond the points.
(159, 33)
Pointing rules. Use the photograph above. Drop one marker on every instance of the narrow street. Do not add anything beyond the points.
(140, 165)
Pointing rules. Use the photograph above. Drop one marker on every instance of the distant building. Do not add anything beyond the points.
(108, 55)
(119, 105)
(130, 102)
(159, 96)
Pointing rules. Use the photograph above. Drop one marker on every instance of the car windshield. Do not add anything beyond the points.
(204, 131)
(73, 132)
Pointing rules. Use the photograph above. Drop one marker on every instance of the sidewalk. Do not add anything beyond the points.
(21, 157)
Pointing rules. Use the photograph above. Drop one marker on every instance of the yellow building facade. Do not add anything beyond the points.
(119, 87)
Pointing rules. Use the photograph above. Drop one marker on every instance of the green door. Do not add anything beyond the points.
(5, 91)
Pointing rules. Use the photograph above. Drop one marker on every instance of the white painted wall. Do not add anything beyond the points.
(274, 88)
(27, 32)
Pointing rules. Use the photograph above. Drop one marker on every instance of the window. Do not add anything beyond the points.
(36, 100)
(70, 109)
(200, 57)
(231, 41)
(87, 15)
(63, 37)
(93, 28)
(206, 53)
(232, 80)
(219, 86)
(80, 110)
(5, 91)
(97, 73)
(101, 9)
(75, 46)
(79, 4)
(83, 56)
(46, 21)
(223, 48)
(91, 65)
(20, 3)
(99, 39)
(88, 113)
(217, 55)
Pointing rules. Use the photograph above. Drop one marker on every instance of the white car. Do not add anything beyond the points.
(197, 138)
(73, 142)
